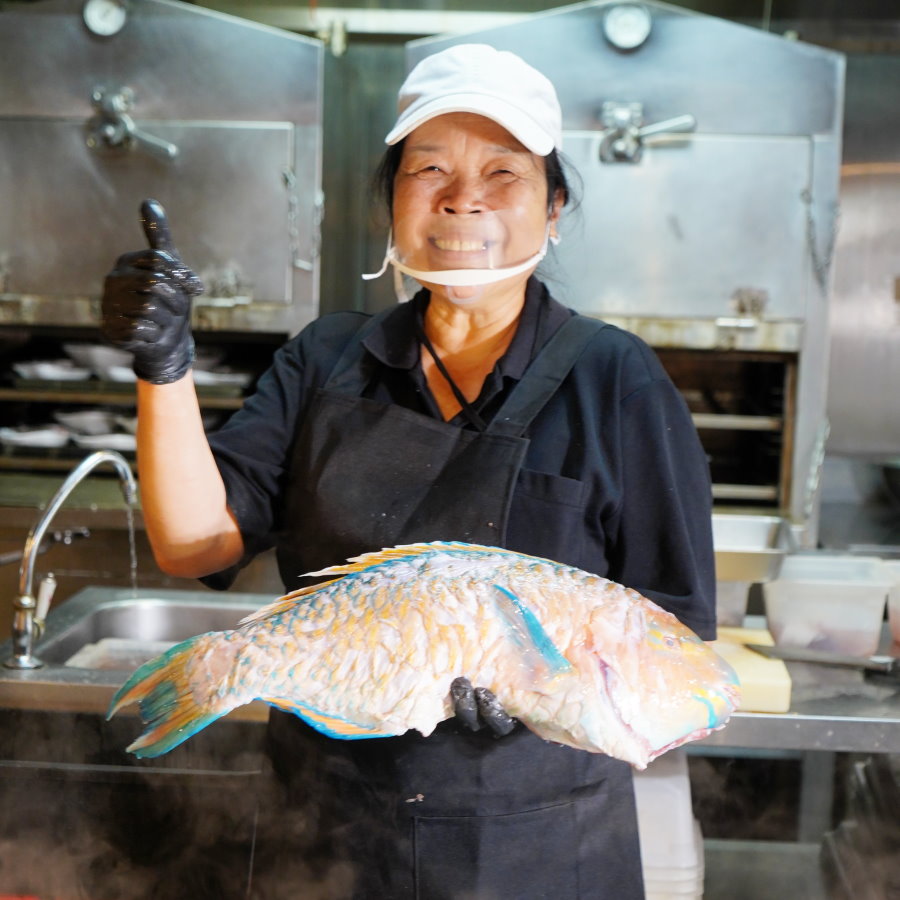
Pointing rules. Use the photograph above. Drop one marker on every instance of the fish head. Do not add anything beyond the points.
(664, 684)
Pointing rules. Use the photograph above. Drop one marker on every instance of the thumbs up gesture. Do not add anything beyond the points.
(146, 303)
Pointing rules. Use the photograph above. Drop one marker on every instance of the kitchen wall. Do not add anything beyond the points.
(364, 65)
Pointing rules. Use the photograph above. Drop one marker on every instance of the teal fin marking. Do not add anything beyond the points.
(330, 725)
(525, 626)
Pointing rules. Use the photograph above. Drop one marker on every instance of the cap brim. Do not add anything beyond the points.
(518, 123)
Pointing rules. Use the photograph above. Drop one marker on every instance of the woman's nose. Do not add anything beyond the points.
(463, 195)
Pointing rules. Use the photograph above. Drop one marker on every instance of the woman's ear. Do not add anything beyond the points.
(555, 212)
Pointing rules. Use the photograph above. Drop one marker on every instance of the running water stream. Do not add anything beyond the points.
(132, 546)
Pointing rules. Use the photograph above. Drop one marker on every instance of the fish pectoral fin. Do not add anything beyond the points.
(528, 633)
(327, 724)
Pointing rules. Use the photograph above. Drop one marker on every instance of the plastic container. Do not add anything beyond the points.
(893, 568)
(731, 602)
(829, 602)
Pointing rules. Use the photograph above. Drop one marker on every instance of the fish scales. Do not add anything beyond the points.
(580, 660)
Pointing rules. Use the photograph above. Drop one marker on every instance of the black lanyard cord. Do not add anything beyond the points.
(469, 412)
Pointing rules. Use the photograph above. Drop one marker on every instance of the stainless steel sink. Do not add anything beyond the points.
(151, 617)
(96, 638)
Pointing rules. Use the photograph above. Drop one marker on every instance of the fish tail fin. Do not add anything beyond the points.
(167, 701)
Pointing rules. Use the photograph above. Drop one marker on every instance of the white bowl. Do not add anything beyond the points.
(97, 357)
(116, 441)
(239, 379)
(117, 373)
(45, 436)
(51, 370)
(127, 423)
(86, 421)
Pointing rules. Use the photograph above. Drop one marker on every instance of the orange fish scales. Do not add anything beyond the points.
(452, 639)
(412, 627)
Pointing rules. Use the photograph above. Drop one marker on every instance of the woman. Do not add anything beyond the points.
(481, 411)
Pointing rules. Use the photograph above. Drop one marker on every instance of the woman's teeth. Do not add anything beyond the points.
(459, 246)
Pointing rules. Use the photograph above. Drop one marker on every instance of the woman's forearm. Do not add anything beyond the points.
(188, 523)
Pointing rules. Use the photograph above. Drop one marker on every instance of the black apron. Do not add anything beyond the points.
(458, 814)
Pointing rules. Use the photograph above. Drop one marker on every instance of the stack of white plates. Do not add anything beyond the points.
(671, 842)
(679, 881)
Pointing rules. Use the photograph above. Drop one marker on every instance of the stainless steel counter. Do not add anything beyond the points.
(863, 718)
(833, 709)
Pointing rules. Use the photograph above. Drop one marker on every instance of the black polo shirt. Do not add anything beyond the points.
(395, 346)
(613, 458)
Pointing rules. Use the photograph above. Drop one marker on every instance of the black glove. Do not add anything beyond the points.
(477, 707)
(146, 303)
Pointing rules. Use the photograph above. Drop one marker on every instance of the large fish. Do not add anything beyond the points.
(579, 659)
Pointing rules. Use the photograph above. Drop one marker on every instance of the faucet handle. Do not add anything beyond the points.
(44, 597)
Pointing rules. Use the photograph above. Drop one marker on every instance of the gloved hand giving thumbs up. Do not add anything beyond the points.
(146, 303)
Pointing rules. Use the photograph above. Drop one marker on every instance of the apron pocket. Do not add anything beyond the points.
(547, 517)
(526, 855)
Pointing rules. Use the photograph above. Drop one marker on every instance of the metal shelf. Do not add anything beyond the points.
(737, 423)
(108, 396)
(745, 492)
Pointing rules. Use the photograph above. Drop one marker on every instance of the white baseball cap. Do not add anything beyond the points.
(478, 78)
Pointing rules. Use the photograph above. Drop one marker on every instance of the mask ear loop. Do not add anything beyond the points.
(369, 276)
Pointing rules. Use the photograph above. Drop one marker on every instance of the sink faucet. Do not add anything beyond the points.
(25, 626)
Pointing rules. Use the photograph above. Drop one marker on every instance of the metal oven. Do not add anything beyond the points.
(103, 104)
(709, 154)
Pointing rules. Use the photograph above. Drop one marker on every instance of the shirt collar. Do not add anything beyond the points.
(394, 342)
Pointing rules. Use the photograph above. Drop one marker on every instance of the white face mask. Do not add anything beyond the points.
(458, 277)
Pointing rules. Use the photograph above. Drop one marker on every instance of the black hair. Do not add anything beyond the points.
(383, 178)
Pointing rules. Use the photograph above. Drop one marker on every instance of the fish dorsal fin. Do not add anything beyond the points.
(354, 564)
(282, 604)
(402, 551)
(370, 560)
(405, 551)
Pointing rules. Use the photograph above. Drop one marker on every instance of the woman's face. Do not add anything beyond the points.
(468, 195)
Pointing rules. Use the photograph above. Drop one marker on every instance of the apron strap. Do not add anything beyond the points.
(544, 375)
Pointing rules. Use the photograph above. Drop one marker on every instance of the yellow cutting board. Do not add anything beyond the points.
(765, 683)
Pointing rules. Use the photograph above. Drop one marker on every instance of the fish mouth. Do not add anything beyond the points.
(696, 735)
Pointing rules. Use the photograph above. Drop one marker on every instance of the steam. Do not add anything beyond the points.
(82, 821)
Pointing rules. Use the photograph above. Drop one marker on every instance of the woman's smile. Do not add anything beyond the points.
(459, 245)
